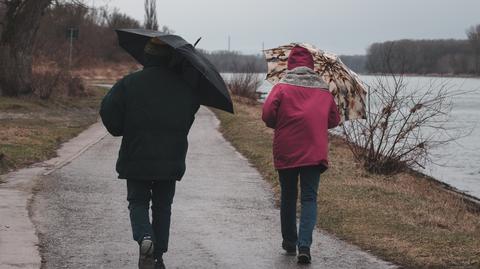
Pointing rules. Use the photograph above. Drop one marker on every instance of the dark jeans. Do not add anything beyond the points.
(161, 193)
(309, 180)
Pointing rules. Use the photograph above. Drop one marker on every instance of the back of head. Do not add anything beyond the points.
(300, 56)
(158, 50)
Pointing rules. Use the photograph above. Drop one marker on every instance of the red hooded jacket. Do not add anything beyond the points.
(301, 109)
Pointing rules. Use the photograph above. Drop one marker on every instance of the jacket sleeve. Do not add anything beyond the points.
(112, 110)
(333, 116)
(270, 107)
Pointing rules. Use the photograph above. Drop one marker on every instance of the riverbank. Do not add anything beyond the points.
(429, 75)
(405, 218)
(33, 129)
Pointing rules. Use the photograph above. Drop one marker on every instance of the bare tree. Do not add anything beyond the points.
(151, 15)
(473, 34)
(18, 32)
(404, 123)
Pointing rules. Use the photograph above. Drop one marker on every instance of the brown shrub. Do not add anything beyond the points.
(49, 80)
(245, 85)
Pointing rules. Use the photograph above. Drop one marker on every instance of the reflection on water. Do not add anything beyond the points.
(457, 163)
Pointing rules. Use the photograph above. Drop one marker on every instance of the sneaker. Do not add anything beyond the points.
(146, 260)
(289, 247)
(304, 255)
(159, 264)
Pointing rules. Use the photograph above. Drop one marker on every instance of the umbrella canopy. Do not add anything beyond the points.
(196, 69)
(344, 84)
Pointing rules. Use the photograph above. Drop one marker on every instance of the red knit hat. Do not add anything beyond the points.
(300, 56)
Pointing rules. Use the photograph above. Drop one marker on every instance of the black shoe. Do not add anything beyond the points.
(289, 247)
(304, 255)
(146, 260)
(159, 264)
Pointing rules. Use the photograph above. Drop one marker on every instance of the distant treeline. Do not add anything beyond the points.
(357, 63)
(236, 62)
(423, 57)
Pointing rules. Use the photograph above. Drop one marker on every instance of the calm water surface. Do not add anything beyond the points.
(457, 163)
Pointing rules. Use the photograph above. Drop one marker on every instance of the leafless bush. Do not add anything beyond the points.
(404, 123)
(49, 82)
(75, 86)
(45, 83)
(245, 85)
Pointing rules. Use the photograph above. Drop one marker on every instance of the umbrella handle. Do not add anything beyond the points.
(198, 40)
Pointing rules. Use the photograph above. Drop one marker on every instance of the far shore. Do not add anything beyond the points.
(382, 74)
(424, 75)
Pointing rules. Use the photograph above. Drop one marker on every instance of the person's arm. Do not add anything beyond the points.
(333, 115)
(112, 110)
(270, 107)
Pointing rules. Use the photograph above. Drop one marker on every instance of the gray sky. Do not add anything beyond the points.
(339, 26)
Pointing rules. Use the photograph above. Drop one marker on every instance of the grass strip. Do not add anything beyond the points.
(31, 130)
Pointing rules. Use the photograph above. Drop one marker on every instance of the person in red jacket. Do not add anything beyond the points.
(301, 109)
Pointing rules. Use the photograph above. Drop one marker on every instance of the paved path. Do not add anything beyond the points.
(18, 240)
(223, 214)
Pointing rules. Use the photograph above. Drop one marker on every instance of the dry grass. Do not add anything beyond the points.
(106, 73)
(32, 129)
(404, 218)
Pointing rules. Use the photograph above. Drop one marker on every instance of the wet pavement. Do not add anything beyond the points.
(223, 214)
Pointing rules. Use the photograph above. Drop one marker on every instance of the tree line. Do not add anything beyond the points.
(444, 56)
(236, 62)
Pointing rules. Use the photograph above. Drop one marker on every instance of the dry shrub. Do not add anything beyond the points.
(49, 80)
(44, 83)
(75, 86)
(404, 123)
(245, 85)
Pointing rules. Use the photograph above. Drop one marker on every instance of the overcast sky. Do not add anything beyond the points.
(339, 26)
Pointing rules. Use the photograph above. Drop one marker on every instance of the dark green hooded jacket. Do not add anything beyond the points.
(153, 109)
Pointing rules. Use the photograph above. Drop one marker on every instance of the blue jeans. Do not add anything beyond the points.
(309, 180)
(161, 193)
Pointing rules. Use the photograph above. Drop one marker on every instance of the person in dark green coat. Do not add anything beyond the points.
(153, 109)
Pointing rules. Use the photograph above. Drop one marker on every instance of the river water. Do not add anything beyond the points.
(457, 163)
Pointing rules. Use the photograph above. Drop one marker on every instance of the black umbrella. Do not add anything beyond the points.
(196, 69)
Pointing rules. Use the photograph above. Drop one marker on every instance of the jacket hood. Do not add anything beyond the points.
(300, 57)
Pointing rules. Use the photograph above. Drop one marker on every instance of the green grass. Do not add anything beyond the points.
(404, 218)
(32, 129)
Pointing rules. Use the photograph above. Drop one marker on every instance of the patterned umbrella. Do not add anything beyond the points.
(344, 84)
